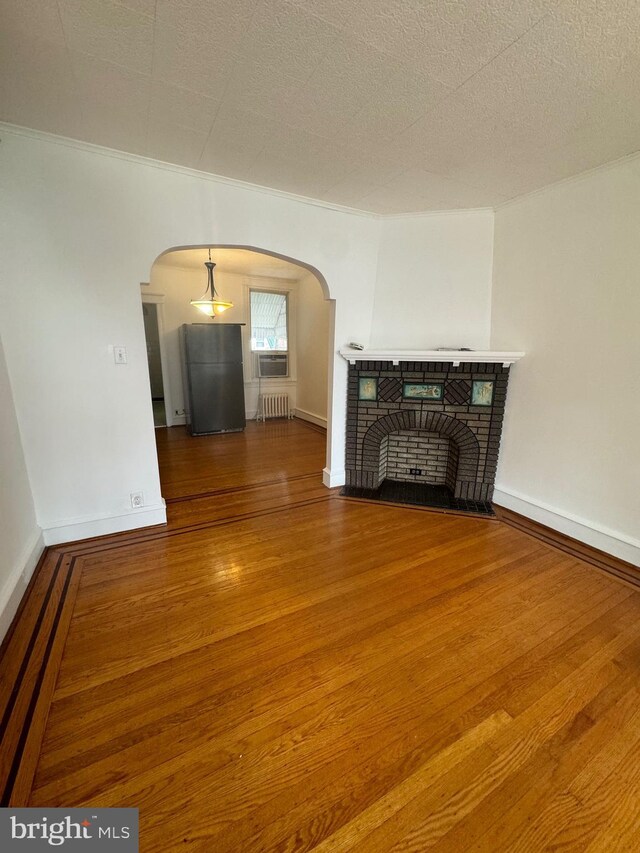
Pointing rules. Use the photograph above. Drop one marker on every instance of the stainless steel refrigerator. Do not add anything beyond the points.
(212, 377)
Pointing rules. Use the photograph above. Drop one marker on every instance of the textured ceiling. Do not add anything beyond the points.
(239, 261)
(384, 105)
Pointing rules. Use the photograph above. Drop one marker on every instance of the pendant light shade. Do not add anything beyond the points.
(210, 303)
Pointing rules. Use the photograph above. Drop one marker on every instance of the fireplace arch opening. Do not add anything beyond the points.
(443, 449)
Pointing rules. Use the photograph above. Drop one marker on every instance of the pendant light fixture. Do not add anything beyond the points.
(209, 303)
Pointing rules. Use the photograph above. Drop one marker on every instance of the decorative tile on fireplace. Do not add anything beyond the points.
(423, 391)
(481, 392)
(367, 388)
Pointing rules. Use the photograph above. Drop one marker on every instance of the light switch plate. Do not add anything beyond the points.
(120, 355)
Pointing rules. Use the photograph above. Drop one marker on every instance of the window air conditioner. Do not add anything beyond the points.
(273, 364)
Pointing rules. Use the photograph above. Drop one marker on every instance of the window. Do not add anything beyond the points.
(269, 321)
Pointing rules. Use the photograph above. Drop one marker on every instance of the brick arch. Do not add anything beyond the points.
(457, 431)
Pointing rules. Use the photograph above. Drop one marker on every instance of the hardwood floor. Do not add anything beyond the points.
(263, 453)
(283, 669)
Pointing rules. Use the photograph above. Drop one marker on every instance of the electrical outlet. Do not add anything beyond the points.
(137, 500)
(179, 412)
(417, 472)
(120, 355)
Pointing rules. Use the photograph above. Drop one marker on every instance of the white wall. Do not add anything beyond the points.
(313, 323)
(434, 281)
(80, 228)
(567, 292)
(20, 537)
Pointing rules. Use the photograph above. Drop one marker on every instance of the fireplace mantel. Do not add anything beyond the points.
(454, 357)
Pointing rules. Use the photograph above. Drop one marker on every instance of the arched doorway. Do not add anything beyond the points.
(249, 277)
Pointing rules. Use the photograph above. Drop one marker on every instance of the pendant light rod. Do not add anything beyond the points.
(210, 286)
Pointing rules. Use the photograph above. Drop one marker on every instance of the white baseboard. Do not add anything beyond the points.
(311, 417)
(86, 528)
(333, 479)
(16, 584)
(610, 541)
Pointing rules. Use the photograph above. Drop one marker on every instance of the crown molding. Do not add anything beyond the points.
(570, 179)
(92, 148)
(456, 211)
(101, 150)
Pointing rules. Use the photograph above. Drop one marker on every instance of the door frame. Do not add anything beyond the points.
(157, 299)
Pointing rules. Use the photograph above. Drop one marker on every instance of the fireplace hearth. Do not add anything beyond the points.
(424, 428)
(418, 494)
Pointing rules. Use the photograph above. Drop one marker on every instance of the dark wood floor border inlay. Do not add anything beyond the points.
(21, 606)
(580, 550)
(125, 540)
(248, 488)
(8, 710)
(32, 691)
(20, 755)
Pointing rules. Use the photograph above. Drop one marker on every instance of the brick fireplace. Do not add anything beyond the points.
(425, 427)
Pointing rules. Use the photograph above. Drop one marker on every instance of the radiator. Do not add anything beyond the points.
(273, 406)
